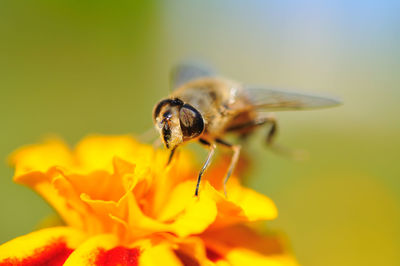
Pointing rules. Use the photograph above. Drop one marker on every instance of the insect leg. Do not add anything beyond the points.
(171, 155)
(250, 124)
(279, 149)
(234, 159)
(261, 120)
(273, 130)
(271, 135)
(211, 152)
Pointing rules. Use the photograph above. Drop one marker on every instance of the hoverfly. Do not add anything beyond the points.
(205, 107)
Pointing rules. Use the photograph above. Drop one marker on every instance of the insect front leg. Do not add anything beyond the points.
(171, 155)
(234, 159)
(210, 155)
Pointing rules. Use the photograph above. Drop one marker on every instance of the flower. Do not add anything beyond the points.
(122, 205)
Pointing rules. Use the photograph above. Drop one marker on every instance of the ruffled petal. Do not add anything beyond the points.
(50, 246)
(192, 218)
(118, 191)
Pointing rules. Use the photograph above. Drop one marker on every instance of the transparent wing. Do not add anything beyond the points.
(266, 99)
(187, 71)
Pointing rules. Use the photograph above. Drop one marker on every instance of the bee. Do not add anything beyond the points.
(205, 107)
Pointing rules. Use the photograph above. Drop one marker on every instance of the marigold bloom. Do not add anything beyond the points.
(122, 206)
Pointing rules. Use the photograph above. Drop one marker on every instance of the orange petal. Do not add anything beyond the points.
(98, 184)
(50, 246)
(71, 206)
(42, 184)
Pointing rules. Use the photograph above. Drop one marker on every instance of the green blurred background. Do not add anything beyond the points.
(78, 67)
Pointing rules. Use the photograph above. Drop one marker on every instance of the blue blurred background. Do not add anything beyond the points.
(78, 67)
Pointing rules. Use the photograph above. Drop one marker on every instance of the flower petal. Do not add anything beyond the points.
(97, 152)
(103, 250)
(50, 246)
(42, 184)
(40, 157)
(159, 255)
(194, 216)
(118, 186)
(190, 250)
(186, 213)
(69, 205)
(241, 205)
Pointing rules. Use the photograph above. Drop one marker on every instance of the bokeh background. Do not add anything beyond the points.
(73, 68)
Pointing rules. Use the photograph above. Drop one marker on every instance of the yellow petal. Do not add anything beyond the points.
(255, 206)
(196, 217)
(105, 250)
(41, 157)
(186, 213)
(159, 255)
(97, 152)
(50, 245)
(193, 218)
(88, 252)
(241, 205)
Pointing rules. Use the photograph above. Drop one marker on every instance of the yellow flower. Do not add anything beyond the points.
(122, 206)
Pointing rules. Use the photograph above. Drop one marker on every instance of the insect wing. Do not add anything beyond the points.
(265, 99)
(187, 71)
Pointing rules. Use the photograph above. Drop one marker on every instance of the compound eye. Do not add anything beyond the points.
(158, 107)
(161, 104)
(192, 124)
